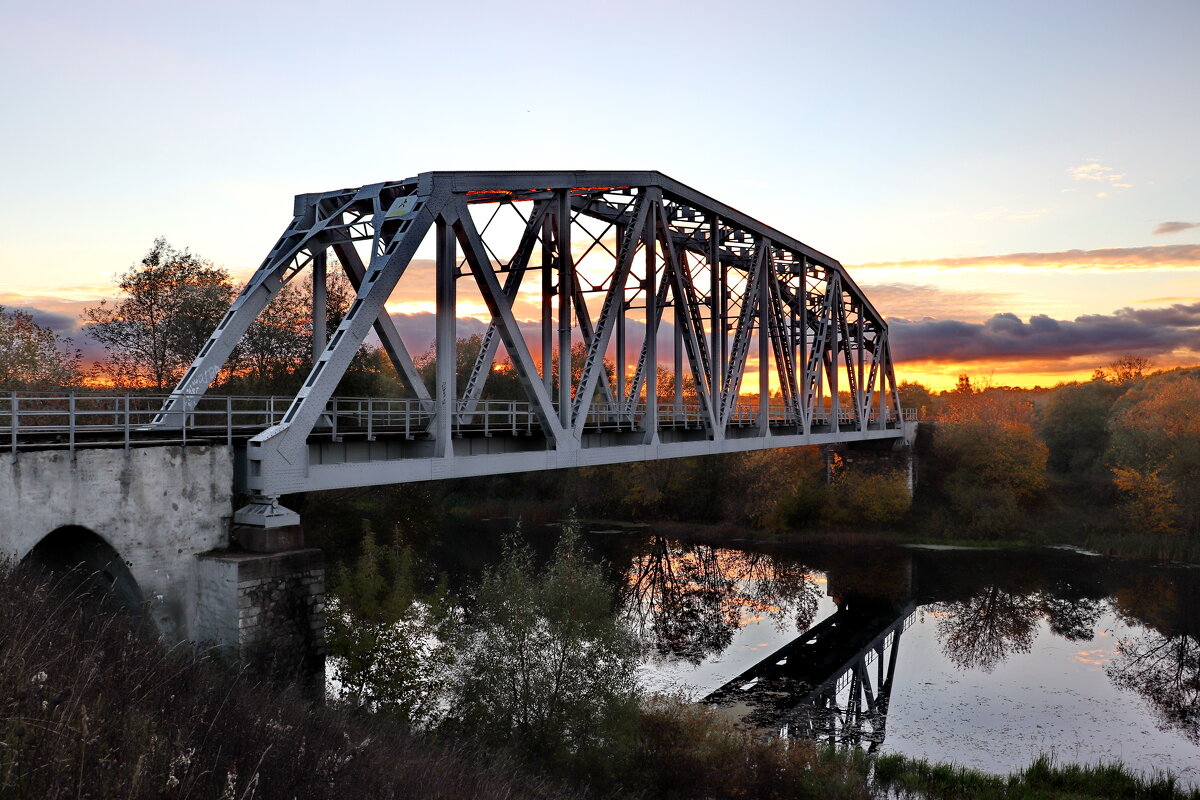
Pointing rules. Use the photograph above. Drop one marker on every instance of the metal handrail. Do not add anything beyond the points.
(71, 415)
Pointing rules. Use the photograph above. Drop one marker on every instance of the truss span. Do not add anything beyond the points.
(690, 328)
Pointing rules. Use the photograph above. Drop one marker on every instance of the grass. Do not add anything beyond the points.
(91, 706)
(1043, 780)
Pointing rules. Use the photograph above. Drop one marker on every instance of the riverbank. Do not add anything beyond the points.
(96, 708)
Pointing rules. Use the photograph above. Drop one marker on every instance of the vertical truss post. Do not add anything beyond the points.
(677, 330)
(764, 340)
(445, 345)
(566, 280)
(650, 348)
(619, 367)
(833, 293)
(319, 339)
(716, 308)
(547, 304)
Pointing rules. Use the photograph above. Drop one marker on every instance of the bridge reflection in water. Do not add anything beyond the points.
(832, 683)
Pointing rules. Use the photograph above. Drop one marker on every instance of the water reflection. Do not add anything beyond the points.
(1166, 671)
(984, 629)
(834, 680)
(687, 600)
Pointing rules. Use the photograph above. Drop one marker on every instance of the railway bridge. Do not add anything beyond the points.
(701, 331)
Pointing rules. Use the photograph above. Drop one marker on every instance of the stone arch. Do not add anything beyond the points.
(76, 547)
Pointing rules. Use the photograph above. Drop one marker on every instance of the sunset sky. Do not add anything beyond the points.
(1016, 185)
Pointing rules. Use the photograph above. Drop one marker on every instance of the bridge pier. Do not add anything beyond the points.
(874, 456)
(153, 525)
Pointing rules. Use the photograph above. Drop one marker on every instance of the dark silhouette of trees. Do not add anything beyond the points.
(1164, 669)
(985, 629)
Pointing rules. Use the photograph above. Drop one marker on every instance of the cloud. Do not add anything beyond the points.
(1006, 337)
(1124, 259)
(917, 301)
(1174, 227)
(1093, 170)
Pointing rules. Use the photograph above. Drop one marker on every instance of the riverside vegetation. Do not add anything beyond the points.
(491, 698)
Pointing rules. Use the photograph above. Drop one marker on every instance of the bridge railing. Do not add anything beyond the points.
(74, 418)
(123, 419)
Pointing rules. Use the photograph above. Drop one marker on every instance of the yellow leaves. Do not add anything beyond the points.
(1150, 503)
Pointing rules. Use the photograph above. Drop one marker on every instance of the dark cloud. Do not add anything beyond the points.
(1125, 259)
(62, 324)
(1175, 227)
(1006, 337)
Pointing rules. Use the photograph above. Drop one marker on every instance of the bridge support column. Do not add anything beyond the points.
(264, 603)
(266, 610)
(897, 456)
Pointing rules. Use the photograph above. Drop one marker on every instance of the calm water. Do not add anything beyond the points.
(984, 658)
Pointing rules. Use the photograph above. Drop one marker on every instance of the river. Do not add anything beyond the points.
(985, 658)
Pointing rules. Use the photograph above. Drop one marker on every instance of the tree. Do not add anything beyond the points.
(33, 356)
(1075, 425)
(918, 397)
(385, 638)
(276, 351)
(544, 665)
(1155, 451)
(1126, 369)
(170, 303)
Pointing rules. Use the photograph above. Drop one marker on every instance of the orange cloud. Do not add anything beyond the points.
(1123, 259)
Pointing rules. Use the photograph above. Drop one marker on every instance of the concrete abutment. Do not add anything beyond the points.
(154, 523)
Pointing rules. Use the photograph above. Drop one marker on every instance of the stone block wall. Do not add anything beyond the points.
(267, 610)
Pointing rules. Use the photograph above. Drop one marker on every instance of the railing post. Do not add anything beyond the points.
(14, 420)
(126, 420)
(229, 420)
(71, 422)
(370, 419)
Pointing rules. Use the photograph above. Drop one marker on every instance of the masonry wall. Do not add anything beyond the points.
(268, 609)
(156, 506)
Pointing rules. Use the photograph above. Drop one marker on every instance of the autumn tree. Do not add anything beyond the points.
(33, 356)
(1155, 452)
(1074, 425)
(169, 305)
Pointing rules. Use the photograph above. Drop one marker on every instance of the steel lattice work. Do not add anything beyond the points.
(631, 269)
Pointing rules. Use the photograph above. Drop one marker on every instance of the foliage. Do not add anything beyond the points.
(388, 643)
(918, 397)
(686, 750)
(1155, 449)
(988, 473)
(1043, 780)
(170, 304)
(544, 665)
(93, 706)
(33, 356)
(1075, 425)
(861, 496)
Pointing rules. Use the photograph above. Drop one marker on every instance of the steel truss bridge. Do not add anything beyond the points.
(632, 270)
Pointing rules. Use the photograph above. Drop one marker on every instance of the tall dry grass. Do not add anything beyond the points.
(92, 706)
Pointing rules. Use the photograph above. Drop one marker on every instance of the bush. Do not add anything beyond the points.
(93, 707)
(545, 667)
